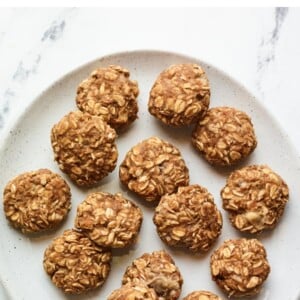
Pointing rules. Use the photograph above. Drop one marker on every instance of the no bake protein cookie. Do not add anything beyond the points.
(240, 267)
(37, 200)
(255, 197)
(84, 147)
(109, 220)
(188, 219)
(201, 295)
(75, 264)
(180, 95)
(224, 136)
(153, 168)
(156, 270)
(108, 92)
(133, 292)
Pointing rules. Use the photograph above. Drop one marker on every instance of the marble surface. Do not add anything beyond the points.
(259, 47)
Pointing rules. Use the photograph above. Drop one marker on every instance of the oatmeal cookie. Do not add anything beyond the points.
(76, 264)
(133, 292)
(180, 95)
(224, 136)
(153, 168)
(240, 267)
(37, 200)
(109, 220)
(201, 295)
(188, 219)
(156, 270)
(255, 197)
(109, 93)
(84, 147)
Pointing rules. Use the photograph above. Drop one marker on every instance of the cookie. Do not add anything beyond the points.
(188, 219)
(240, 267)
(36, 201)
(75, 264)
(109, 220)
(135, 292)
(153, 168)
(156, 270)
(84, 147)
(180, 95)
(201, 295)
(224, 136)
(109, 93)
(255, 197)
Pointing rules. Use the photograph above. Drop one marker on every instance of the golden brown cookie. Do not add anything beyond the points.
(109, 220)
(156, 270)
(133, 292)
(224, 136)
(76, 264)
(180, 95)
(109, 93)
(201, 295)
(153, 168)
(37, 200)
(84, 147)
(240, 267)
(255, 198)
(188, 219)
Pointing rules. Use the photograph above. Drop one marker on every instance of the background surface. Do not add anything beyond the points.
(259, 47)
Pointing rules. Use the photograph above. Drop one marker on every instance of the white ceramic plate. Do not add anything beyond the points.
(27, 147)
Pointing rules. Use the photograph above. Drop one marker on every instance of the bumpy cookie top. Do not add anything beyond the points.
(84, 147)
(37, 200)
(240, 267)
(109, 220)
(153, 168)
(180, 95)
(255, 197)
(224, 136)
(109, 93)
(76, 264)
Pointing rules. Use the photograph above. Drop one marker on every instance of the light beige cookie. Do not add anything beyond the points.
(240, 267)
(109, 220)
(188, 219)
(180, 95)
(201, 295)
(36, 201)
(84, 147)
(75, 264)
(153, 168)
(156, 270)
(133, 292)
(255, 198)
(224, 136)
(108, 92)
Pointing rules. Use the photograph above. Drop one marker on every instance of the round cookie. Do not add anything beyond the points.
(153, 168)
(180, 95)
(240, 267)
(36, 201)
(156, 270)
(84, 147)
(109, 220)
(109, 93)
(135, 292)
(224, 136)
(201, 295)
(255, 198)
(188, 219)
(76, 264)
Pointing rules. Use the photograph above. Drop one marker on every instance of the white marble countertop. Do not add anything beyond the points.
(259, 47)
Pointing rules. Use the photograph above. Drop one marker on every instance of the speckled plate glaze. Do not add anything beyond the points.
(27, 147)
